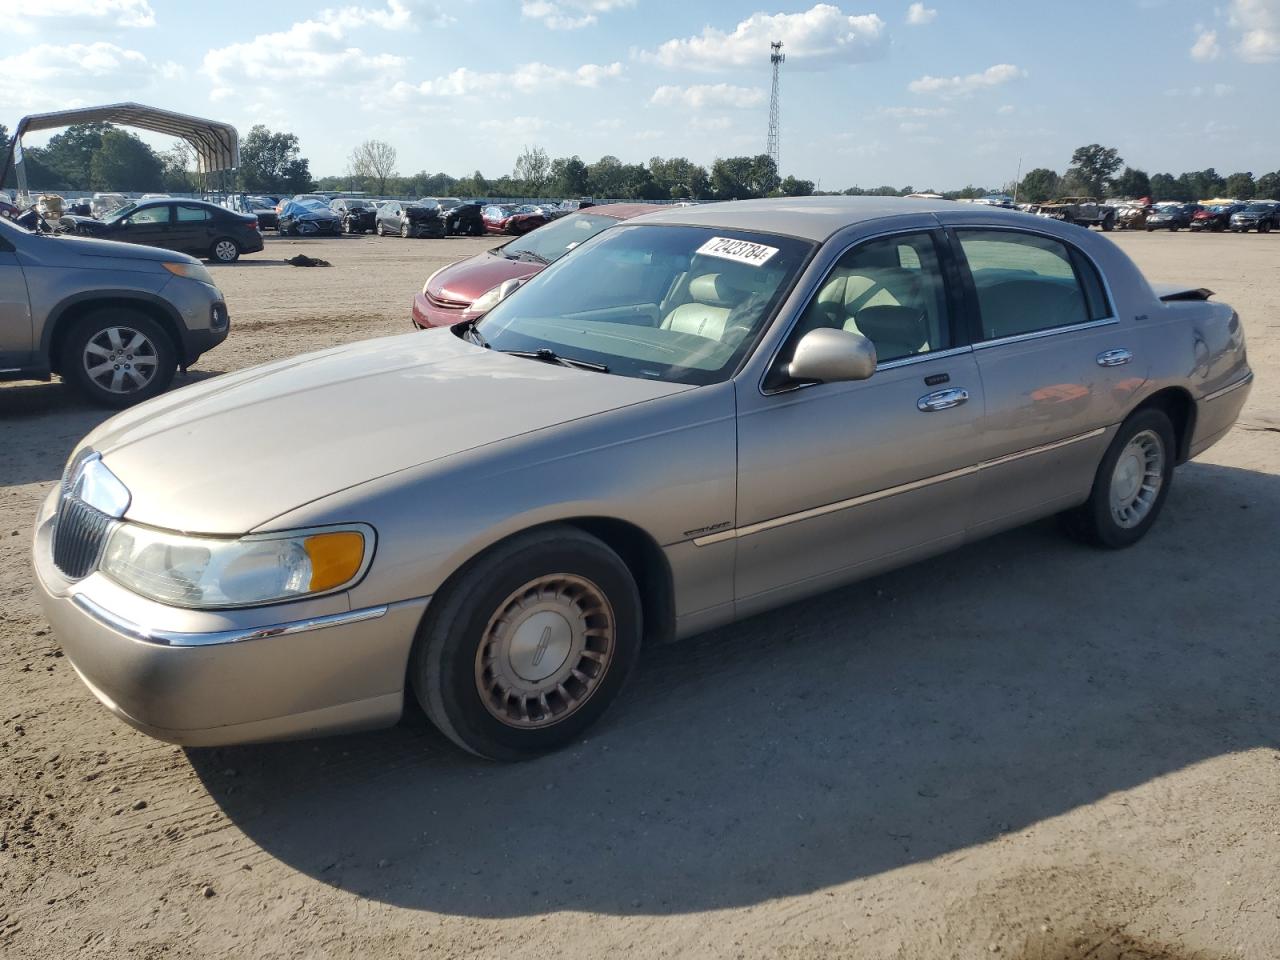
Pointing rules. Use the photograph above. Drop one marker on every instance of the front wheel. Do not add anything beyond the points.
(404, 230)
(1131, 484)
(529, 646)
(118, 357)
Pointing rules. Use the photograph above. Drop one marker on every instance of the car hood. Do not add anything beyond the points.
(228, 455)
(117, 250)
(465, 282)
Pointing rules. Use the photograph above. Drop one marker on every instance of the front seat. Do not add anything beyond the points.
(713, 299)
(896, 331)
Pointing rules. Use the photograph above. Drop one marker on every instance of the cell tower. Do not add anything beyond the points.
(775, 57)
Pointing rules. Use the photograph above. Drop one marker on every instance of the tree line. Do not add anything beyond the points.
(103, 157)
(1099, 171)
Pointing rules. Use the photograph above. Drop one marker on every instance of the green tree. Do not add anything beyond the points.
(1093, 166)
(606, 178)
(1130, 183)
(1240, 186)
(1164, 186)
(1201, 184)
(270, 163)
(373, 162)
(532, 171)
(791, 187)
(569, 178)
(1038, 185)
(1268, 187)
(124, 162)
(70, 153)
(176, 175)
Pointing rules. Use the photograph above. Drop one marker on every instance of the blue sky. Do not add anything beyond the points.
(935, 94)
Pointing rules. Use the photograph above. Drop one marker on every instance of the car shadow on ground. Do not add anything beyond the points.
(891, 722)
(41, 423)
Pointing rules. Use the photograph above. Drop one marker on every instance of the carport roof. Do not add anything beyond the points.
(217, 145)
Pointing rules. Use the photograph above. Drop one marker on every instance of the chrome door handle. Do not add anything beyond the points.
(941, 400)
(1114, 358)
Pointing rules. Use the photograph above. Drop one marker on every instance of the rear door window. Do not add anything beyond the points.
(1027, 283)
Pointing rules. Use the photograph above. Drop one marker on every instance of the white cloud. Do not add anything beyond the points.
(58, 75)
(1006, 108)
(916, 111)
(318, 52)
(1258, 22)
(1217, 90)
(1206, 46)
(704, 95)
(815, 38)
(918, 15)
(912, 127)
(957, 86)
(39, 17)
(527, 78)
(569, 14)
(646, 135)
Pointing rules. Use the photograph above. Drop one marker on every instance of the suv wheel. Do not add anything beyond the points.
(225, 250)
(118, 357)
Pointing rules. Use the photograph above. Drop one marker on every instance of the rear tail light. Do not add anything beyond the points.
(253, 224)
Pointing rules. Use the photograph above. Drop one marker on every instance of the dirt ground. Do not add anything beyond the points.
(1026, 749)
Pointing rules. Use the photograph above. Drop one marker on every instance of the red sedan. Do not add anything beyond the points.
(508, 218)
(469, 288)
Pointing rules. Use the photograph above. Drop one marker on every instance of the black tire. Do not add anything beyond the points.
(443, 666)
(405, 230)
(224, 250)
(75, 350)
(1150, 229)
(1094, 522)
(1108, 224)
(379, 229)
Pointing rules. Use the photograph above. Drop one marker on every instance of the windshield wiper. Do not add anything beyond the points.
(547, 355)
(474, 335)
(530, 256)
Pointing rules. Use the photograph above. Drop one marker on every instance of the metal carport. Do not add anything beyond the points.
(217, 145)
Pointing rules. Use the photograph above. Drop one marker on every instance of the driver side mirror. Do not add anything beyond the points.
(827, 355)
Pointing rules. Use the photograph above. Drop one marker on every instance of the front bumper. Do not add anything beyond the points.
(205, 678)
(427, 314)
(432, 228)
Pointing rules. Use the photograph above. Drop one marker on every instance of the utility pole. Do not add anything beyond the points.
(771, 145)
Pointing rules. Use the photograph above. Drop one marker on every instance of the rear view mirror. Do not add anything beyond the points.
(826, 355)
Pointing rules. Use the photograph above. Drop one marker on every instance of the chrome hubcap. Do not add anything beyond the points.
(120, 359)
(226, 250)
(1137, 478)
(545, 651)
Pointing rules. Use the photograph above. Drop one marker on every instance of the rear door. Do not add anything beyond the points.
(1058, 369)
(192, 229)
(837, 478)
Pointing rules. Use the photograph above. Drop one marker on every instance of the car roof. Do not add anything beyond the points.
(622, 211)
(811, 218)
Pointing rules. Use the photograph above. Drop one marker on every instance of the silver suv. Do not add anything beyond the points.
(115, 320)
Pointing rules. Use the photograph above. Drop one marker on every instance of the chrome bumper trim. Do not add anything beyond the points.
(167, 638)
(1242, 382)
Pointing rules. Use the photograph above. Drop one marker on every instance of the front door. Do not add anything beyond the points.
(1058, 368)
(15, 312)
(838, 479)
(150, 225)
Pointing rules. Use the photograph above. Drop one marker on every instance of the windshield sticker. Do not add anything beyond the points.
(739, 251)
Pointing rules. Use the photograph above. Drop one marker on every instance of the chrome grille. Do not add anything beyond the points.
(79, 533)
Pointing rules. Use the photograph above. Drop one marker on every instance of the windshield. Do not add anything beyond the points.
(675, 303)
(1257, 208)
(548, 244)
(120, 214)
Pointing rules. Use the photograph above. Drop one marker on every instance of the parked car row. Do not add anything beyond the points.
(197, 227)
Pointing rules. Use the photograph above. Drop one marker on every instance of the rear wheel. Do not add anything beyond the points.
(530, 646)
(378, 229)
(404, 229)
(118, 357)
(224, 250)
(1131, 484)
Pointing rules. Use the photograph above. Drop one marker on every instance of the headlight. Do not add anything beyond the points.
(210, 572)
(192, 271)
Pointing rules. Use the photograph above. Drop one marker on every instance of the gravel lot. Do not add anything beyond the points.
(1026, 749)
